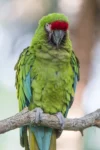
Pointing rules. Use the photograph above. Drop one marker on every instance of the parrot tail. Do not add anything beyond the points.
(24, 138)
(42, 138)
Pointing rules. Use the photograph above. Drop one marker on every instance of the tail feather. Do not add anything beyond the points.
(42, 138)
(32, 141)
(53, 141)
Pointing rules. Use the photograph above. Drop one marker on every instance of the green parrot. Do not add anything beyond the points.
(47, 73)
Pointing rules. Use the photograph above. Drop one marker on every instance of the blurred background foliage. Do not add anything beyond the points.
(18, 21)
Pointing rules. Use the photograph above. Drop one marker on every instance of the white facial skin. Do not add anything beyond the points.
(48, 27)
(49, 30)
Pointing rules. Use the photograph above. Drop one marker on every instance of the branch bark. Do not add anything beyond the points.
(27, 117)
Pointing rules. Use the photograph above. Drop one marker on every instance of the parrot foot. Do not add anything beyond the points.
(38, 112)
(61, 119)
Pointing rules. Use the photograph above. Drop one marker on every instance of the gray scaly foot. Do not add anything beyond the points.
(61, 119)
(38, 112)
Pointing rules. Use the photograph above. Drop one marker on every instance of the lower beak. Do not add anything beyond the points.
(58, 36)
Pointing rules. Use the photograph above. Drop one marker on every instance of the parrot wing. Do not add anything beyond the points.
(23, 85)
(75, 66)
(23, 78)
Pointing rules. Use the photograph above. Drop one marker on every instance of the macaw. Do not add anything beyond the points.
(47, 73)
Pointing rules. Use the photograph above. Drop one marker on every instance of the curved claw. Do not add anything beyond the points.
(61, 119)
(38, 111)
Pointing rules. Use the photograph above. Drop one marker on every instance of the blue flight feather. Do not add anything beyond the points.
(28, 94)
(21, 131)
(27, 87)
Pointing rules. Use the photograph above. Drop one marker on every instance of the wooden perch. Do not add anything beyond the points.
(27, 117)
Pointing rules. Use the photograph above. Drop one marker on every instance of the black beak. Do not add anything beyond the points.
(58, 36)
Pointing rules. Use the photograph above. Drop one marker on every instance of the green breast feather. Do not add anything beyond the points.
(51, 82)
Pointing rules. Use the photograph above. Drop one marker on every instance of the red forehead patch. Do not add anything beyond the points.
(59, 25)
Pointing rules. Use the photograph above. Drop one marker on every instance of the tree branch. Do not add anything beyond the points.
(27, 117)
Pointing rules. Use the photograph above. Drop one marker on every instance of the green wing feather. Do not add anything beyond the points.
(23, 79)
(75, 66)
(23, 85)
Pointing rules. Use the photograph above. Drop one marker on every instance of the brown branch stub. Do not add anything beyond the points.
(27, 117)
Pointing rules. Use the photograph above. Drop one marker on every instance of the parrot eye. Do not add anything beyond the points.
(48, 27)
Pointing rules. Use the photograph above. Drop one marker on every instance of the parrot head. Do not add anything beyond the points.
(52, 29)
(56, 32)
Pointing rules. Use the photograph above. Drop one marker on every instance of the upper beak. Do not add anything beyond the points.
(58, 37)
